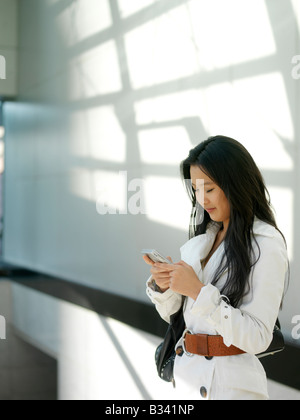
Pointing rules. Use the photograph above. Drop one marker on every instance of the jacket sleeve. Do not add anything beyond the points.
(166, 303)
(250, 327)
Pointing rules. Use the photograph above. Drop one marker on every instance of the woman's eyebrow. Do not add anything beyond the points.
(205, 183)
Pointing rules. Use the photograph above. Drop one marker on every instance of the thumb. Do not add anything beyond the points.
(170, 259)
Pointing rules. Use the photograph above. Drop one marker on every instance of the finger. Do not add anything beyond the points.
(148, 260)
(163, 284)
(159, 275)
(170, 259)
(164, 267)
(162, 280)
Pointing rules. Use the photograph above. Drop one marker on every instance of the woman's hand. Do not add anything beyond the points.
(182, 278)
(159, 275)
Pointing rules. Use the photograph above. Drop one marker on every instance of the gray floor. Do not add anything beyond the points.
(282, 393)
(26, 373)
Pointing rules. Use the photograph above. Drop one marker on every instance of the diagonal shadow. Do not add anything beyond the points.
(133, 373)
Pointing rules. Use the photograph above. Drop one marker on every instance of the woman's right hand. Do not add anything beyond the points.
(161, 277)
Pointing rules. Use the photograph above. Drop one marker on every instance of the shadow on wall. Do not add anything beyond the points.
(139, 86)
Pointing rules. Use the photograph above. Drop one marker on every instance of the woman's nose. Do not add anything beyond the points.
(205, 202)
(202, 199)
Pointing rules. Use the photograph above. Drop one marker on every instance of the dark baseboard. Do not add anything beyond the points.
(131, 312)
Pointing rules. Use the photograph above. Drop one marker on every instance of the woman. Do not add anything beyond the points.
(232, 273)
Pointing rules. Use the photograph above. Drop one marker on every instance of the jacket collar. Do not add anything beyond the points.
(264, 229)
(199, 247)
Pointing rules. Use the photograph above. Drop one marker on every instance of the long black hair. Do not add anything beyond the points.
(232, 168)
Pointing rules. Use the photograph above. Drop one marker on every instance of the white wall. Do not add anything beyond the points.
(113, 86)
(8, 48)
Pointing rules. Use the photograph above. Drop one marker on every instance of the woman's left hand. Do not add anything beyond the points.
(183, 279)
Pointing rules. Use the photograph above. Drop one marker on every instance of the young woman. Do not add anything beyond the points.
(232, 273)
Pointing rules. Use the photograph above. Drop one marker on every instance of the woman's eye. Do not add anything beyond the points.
(209, 191)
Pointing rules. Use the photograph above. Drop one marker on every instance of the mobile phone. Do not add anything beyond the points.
(155, 256)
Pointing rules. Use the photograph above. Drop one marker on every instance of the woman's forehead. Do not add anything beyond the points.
(198, 174)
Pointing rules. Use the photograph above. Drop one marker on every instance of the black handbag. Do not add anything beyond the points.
(165, 353)
(277, 344)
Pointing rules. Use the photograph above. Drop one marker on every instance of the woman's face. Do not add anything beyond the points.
(210, 196)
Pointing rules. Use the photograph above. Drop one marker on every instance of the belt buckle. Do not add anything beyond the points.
(186, 331)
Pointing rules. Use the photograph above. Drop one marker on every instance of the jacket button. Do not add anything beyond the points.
(203, 392)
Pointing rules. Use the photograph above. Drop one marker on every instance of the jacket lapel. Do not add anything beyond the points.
(197, 248)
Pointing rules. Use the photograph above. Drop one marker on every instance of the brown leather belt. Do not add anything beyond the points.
(208, 345)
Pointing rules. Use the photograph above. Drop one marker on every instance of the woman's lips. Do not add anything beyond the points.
(210, 210)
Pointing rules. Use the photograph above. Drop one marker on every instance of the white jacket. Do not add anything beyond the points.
(250, 327)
